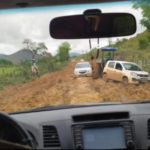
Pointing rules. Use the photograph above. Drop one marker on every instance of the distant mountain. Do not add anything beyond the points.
(21, 56)
(3, 56)
(74, 54)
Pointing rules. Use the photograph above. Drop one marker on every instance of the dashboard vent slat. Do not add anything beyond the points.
(101, 116)
(50, 136)
(148, 129)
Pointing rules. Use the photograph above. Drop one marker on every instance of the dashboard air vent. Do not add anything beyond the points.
(101, 116)
(148, 128)
(50, 136)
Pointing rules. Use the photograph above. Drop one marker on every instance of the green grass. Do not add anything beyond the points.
(13, 75)
(136, 49)
(16, 74)
(10, 71)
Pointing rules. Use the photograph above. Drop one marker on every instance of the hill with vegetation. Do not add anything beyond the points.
(21, 56)
(135, 49)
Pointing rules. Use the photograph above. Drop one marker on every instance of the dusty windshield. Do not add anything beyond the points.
(37, 70)
(131, 67)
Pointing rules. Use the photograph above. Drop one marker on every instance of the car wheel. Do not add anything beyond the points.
(125, 80)
(105, 77)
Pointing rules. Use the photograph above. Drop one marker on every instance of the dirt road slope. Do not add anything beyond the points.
(61, 88)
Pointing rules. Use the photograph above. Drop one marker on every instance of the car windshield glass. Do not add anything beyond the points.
(83, 65)
(37, 70)
(131, 67)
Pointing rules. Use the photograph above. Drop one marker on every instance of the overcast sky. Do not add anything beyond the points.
(16, 25)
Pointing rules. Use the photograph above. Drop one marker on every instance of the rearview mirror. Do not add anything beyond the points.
(93, 26)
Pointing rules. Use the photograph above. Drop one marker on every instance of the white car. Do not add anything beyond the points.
(127, 72)
(83, 69)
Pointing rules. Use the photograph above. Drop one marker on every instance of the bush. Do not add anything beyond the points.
(4, 62)
(143, 43)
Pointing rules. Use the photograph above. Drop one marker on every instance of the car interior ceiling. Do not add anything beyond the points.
(34, 3)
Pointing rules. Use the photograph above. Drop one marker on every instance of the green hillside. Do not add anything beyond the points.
(136, 49)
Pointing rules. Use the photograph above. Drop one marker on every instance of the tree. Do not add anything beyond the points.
(145, 6)
(35, 48)
(28, 43)
(63, 51)
(42, 48)
(110, 42)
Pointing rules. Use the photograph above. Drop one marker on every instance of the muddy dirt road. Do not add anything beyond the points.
(61, 88)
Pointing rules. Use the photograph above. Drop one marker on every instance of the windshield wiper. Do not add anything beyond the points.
(146, 101)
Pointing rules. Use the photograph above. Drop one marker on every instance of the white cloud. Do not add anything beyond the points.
(14, 28)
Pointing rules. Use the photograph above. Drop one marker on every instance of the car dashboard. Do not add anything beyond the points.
(106, 126)
(98, 126)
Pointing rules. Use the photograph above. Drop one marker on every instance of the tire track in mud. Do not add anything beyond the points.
(60, 88)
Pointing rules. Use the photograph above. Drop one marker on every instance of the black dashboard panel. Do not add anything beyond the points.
(62, 128)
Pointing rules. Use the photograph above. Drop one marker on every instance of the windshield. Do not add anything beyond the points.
(37, 70)
(131, 67)
(82, 65)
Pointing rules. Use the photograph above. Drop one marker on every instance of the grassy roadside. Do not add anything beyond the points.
(21, 73)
